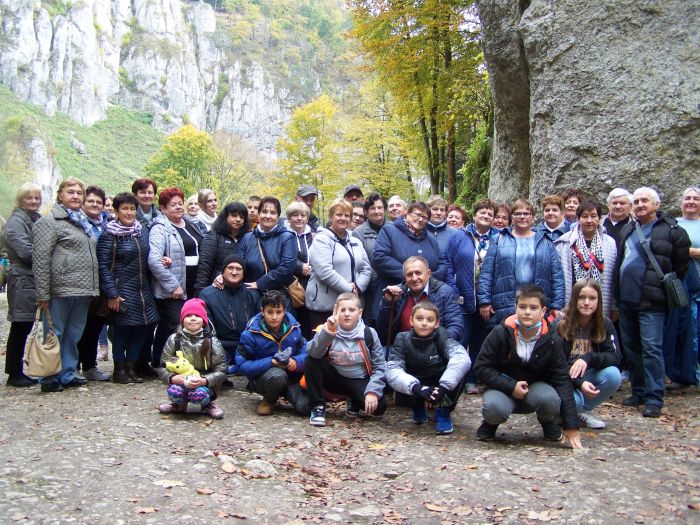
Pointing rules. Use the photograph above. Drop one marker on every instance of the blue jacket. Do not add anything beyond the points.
(443, 233)
(458, 261)
(497, 278)
(280, 251)
(254, 354)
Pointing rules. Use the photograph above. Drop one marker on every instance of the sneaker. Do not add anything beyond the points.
(264, 408)
(76, 382)
(625, 374)
(551, 431)
(351, 410)
(213, 411)
(587, 419)
(471, 389)
(633, 401)
(95, 374)
(651, 411)
(102, 352)
(420, 415)
(675, 386)
(443, 421)
(486, 431)
(318, 417)
(53, 386)
(172, 408)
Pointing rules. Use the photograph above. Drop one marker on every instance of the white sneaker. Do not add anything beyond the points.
(587, 419)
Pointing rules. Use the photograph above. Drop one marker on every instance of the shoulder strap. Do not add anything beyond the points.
(365, 356)
(645, 244)
(262, 256)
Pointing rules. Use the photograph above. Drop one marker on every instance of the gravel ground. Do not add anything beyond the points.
(103, 454)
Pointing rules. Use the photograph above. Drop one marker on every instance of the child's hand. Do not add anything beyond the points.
(589, 390)
(423, 392)
(292, 366)
(578, 369)
(573, 437)
(520, 390)
(178, 379)
(371, 402)
(332, 321)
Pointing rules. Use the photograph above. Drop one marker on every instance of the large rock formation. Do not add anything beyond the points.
(593, 95)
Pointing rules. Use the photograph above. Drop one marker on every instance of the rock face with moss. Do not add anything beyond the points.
(593, 95)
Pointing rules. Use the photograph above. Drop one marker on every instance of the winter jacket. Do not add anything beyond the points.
(280, 252)
(325, 342)
(229, 310)
(496, 284)
(211, 366)
(439, 294)
(21, 291)
(213, 251)
(458, 262)
(670, 244)
(412, 358)
(303, 242)
(602, 355)
(499, 366)
(614, 229)
(442, 232)
(142, 218)
(367, 235)
(129, 279)
(553, 235)
(333, 270)
(63, 259)
(164, 239)
(99, 225)
(564, 247)
(258, 346)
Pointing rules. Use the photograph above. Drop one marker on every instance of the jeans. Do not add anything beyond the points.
(68, 315)
(128, 340)
(87, 346)
(541, 398)
(643, 339)
(606, 380)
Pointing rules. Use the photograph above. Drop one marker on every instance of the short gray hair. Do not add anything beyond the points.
(689, 189)
(617, 193)
(396, 198)
(650, 191)
(297, 207)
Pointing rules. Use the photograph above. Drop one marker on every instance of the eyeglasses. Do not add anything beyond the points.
(521, 214)
(419, 217)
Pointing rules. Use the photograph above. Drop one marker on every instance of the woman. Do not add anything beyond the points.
(572, 199)
(375, 207)
(456, 216)
(66, 276)
(269, 251)
(174, 236)
(221, 241)
(519, 256)
(192, 206)
(298, 214)
(109, 208)
(122, 253)
(145, 191)
(339, 264)
(501, 219)
(437, 225)
(405, 237)
(590, 344)
(21, 293)
(208, 204)
(587, 252)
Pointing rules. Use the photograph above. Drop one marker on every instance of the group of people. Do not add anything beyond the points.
(386, 297)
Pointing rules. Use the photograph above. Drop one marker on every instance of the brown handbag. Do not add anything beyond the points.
(42, 356)
(295, 290)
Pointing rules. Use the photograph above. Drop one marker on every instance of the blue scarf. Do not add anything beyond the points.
(80, 220)
(483, 239)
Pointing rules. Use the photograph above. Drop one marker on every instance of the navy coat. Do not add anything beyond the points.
(458, 262)
(280, 251)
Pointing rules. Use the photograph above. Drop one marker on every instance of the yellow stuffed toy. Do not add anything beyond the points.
(181, 366)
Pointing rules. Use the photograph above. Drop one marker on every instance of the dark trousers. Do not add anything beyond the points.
(87, 346)
(413, 401)
(127, 341)
(169, 310)
(474, 334)
(321, 374)
(16, 339)
(317, 318)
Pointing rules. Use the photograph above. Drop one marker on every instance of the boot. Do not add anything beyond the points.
(131, 372)
(120, 376)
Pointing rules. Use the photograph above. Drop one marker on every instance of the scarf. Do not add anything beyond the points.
(205, 219)
(117, 229)
(147, 216)
(80, 220)
(588, 262)
(412, 230)
(350, 335)
(483, 239)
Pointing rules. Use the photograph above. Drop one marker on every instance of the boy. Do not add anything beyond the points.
(272, 354)
(252, 205)
(345, 357)
(524, 370)
(429, 366)
(553, 211)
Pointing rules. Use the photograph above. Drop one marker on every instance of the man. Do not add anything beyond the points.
(353, 193)
(307, 194)
(619, 205)
(641, 296)
(418, 286)
(229, 309)
(397, 208)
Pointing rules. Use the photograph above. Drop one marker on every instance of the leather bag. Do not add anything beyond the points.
(42, 356)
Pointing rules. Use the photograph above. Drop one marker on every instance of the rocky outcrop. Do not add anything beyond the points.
(44, 167)
(604, 94)
(158, 56)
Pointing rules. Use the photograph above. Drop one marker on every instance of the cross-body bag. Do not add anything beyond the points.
(676, 296)
(42, 356)
(295, 289)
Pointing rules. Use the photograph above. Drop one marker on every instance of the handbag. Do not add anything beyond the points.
(42, 358)
(676, 296)
(99, 305)
(295, 290)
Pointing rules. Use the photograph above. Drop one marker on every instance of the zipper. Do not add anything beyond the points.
(143, 301)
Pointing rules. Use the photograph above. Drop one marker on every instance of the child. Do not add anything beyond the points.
(429, 366)
(272, 354)
(204, 351)
(346, 357)
(524, 370)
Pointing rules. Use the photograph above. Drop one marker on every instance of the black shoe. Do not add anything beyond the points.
(633, 401)
(145, 371)
(20, 381)
(486, 431)
(551, 431)
(227, 384)
(53, 386)
(75, 382)
(651, 411)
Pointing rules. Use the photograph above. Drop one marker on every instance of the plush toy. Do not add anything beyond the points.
(181, 366)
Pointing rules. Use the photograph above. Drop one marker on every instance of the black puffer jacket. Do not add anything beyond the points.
(670, 244)
(212, 253)
(130, 279)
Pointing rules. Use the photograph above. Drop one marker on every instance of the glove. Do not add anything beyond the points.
(424, 392)
(438, 395)
(282, 357)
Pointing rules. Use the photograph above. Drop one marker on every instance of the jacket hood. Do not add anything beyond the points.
(279, 229)
(510, 323)
(255, 323)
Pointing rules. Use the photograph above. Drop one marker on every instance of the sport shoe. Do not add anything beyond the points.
(633, 401)
(95, 374)
(318, 417)
(102, 351)
(589, 420)
(651, 411)
(471, 389)
(486, 431)
(351, 410)
(443, 421)
(213, 411)
(551, 431)
(172, 408)
(264, 408)
(420, 415)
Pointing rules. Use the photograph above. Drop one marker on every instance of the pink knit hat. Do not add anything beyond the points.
(196, 307)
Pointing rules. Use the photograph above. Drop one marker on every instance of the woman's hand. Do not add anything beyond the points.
(486, 311)
(306, 270)
(218, 282)
(371, 402)
(252, 286)
(578, 369)
(355, 289)
(589, 390)
(114, 303)
(178, 293)
(42, 304)
(166, 261)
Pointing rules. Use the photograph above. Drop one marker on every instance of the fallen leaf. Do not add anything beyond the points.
(134, 500)
(222, 514)
(694, 506)
(470, 467)
(204, 491)
(376, 446)
(239, 516)
(228, 467)
(462, 511)
(18, 517)
(146, 510)
(539, 516)
(435, 508)
(168, 483)
(503, 509)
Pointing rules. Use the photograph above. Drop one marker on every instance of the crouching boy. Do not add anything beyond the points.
(524, 370)
(345, 357)
(429, 366)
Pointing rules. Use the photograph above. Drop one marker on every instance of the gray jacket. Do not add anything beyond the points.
(164, 240)
(331, 272)
(64, 258)
(21, 292)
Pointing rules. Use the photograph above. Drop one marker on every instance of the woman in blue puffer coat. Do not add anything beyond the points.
(122, 255)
